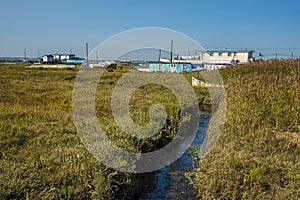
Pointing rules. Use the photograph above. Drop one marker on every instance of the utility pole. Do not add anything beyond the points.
(292, 54)
(87, 54)
(25, 54)
(97, 56)
(171, 51)
(159, 55)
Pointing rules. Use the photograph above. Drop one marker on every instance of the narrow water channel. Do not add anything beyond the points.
(170, 181)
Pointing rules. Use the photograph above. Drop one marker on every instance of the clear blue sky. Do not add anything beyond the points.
(58, 26)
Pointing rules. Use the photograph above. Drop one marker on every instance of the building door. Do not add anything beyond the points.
(173, 68)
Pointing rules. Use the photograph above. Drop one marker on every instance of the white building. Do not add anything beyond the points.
(64, 56)
(219, 57)
(51, 58)
(48, 59)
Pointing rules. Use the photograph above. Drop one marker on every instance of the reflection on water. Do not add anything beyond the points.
(170, 182)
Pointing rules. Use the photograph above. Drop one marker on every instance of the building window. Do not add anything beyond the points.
(220, 53)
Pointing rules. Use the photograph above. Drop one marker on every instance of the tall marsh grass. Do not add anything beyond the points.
(258, 154)
(41, 155)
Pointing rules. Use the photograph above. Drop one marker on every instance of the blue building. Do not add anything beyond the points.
(170, 67)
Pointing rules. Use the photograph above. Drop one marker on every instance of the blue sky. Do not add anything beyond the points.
(64, 26)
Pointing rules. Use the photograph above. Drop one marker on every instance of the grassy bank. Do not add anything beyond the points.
(258, 153)
(41, 155)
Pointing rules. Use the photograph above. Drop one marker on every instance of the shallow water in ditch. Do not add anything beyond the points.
(170, 182)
